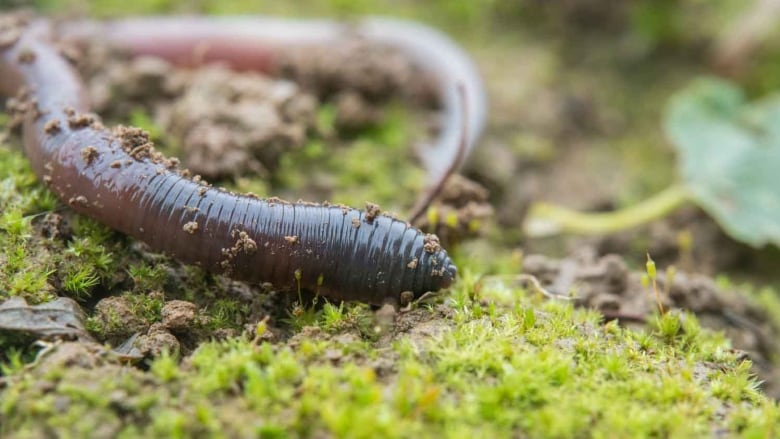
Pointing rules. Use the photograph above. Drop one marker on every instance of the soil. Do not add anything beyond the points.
(230, 123)
(460, 211)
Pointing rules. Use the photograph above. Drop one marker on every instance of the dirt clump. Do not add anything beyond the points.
(237, 123)
(67, 355)
(179, 315)
(156, 341)
(376, 73)
(118, 320)
(226, 123)
(460, 211)
(118, 83)
(421, 324)
(55, 227)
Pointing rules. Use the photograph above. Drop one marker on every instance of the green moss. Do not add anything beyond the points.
(502, 371)
(30, 264)
(376, 166)
(226, 313)
(147, 277)
(346, 317)
(139, 310)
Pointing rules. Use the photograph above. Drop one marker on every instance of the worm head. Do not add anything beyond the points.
(450, 271)
(438, 272)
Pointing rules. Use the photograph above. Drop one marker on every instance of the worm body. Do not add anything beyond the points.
(119, 179)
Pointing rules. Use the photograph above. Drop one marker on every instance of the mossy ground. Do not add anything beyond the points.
(491, 360)
(507, 364)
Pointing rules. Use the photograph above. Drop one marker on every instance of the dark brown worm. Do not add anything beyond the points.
(118, 179)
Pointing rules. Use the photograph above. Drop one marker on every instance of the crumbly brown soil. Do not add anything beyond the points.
(227, 123)
(461, 210)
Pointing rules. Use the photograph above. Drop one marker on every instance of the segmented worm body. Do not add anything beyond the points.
(119, 179)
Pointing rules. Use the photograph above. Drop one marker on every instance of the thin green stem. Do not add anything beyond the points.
(547, 219)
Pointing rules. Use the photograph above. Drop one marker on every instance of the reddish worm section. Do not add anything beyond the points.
(117, 178)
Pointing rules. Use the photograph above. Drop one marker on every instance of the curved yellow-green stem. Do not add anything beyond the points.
(547, 219)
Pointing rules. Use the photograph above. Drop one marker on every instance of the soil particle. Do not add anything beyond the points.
(459, 190)
(137, 144)
(372, 211)
(291, 239)
(117, 318)
(413, 263)
(179, 315)
(52, 127)
(431, 243)
(54, 226)
(190, 227)
(420, 324)
(243, 244)
(306, 333)
(120, 83)
(299, 107)
(79, 200)
(68, 355)
(156, 341)
(220, 334)
(355, 223)
(78, 121)
(375, 73)
(89, 154)
(18, 106)
(405, 298)
(134, 141)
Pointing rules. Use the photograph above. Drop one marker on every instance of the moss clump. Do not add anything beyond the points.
(377, 165)
(525, 367)
(34, 266)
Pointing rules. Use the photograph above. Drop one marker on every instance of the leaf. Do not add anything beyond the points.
(59, 318)
(729, 157)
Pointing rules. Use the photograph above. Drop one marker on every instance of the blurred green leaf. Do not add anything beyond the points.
(729, 157)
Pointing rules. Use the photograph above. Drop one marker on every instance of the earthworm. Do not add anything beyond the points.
(119, 179)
